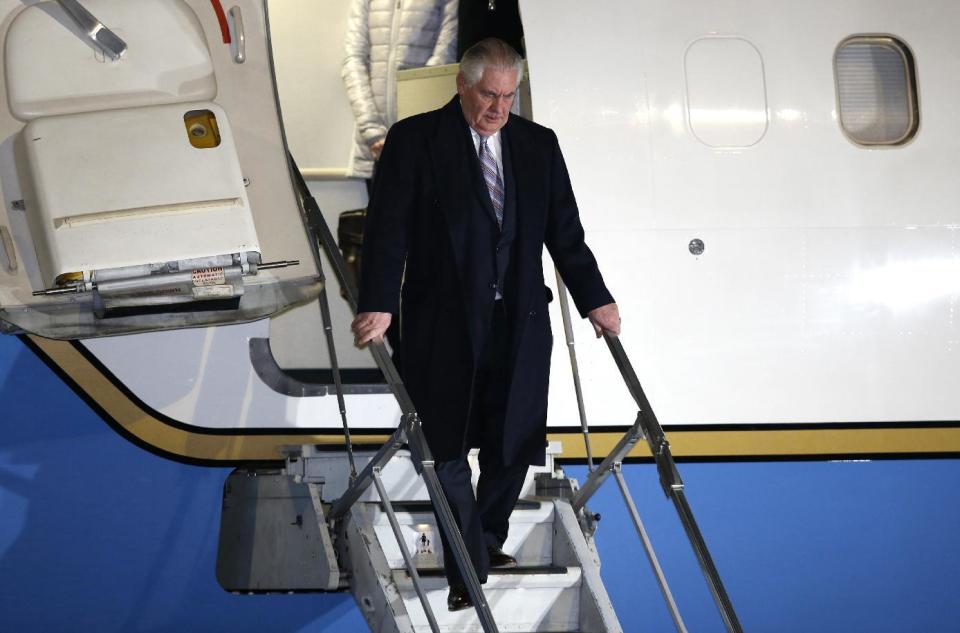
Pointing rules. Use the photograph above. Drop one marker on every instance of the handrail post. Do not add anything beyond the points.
(648, 548)
(335, 368)
(617, 455)
(574, 366)
(363, 480)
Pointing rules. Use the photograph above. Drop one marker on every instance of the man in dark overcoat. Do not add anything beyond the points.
(465, 199)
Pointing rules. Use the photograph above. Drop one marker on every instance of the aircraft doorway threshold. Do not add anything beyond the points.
(313, 526)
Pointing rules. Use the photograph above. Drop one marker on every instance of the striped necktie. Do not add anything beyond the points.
(492, 175)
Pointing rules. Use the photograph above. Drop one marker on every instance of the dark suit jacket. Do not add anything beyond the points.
(422, 228)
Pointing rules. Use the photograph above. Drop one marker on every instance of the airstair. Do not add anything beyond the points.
(369, 522)
(556, 586)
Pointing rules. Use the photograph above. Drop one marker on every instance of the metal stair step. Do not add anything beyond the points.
(519, 601)
(530, 538)
(556, 588)
(528, 570)
(425, 506)
(399, 474)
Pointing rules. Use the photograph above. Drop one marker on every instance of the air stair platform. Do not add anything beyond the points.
(556, 586)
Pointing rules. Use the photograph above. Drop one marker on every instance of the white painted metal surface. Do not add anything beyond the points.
(115, 156)
(826, 290)
(556, 588)
(530, 537)
(726, 92)
(96, 200)
(52, 69)
(541, 602)
(208, 381)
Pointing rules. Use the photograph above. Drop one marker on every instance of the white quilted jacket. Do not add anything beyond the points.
(384, 36)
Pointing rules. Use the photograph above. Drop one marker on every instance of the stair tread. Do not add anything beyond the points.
(420, 513)
(558, 578)
(521, 570)
(549, 602)
(426, 506)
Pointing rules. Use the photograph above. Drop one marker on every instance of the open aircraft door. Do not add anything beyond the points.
(144, 170)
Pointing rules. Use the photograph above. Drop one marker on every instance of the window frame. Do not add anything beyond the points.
(913, 97)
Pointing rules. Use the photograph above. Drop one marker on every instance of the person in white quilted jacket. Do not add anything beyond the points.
(384, 36)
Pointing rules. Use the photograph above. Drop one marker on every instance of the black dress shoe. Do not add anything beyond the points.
(500, 559)
(458, 599)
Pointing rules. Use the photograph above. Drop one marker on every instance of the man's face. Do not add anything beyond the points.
(486, 104)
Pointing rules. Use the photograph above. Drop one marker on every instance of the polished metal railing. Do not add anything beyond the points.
(409, 431)
(647, 427)
(572, 352)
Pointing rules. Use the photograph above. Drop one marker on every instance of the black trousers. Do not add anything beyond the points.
(483, 520)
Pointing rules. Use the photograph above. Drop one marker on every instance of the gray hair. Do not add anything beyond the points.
(489, 53)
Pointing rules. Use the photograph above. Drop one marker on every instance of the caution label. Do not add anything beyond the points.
(209, 276)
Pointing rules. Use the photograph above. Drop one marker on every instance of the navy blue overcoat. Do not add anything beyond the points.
(421, 234)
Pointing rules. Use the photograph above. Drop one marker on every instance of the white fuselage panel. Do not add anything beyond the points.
(126, 187)
(827, 287)
(49, 65)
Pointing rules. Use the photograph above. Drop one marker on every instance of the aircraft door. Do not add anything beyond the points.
(144, 170)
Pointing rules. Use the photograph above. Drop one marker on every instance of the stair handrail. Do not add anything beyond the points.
(409, 430)
(407, 558)
(626, 443)
(648, 427)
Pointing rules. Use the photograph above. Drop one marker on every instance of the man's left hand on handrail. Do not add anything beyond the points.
(605, 318)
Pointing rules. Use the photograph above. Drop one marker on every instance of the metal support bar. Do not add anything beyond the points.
(671, 483)
(283, 263)
(407, 559)
(648, 548)
(359, 485)
(332, 575)
(706, 562)
(421, 453)
(335, 368)
(659, 446)
(323, 241)
(459, 548)
(568, 333)
(392, 376)
(616, 456)
(319, 230)
(98, 34)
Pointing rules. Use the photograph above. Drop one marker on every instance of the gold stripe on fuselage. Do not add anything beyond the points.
(180, 441)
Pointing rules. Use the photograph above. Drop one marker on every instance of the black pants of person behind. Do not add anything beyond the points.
(483, 520)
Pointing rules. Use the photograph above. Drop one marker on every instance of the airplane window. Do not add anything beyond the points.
(876, 90)
(726, 92)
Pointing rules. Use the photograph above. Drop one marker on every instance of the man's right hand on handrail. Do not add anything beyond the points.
(370, 326)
